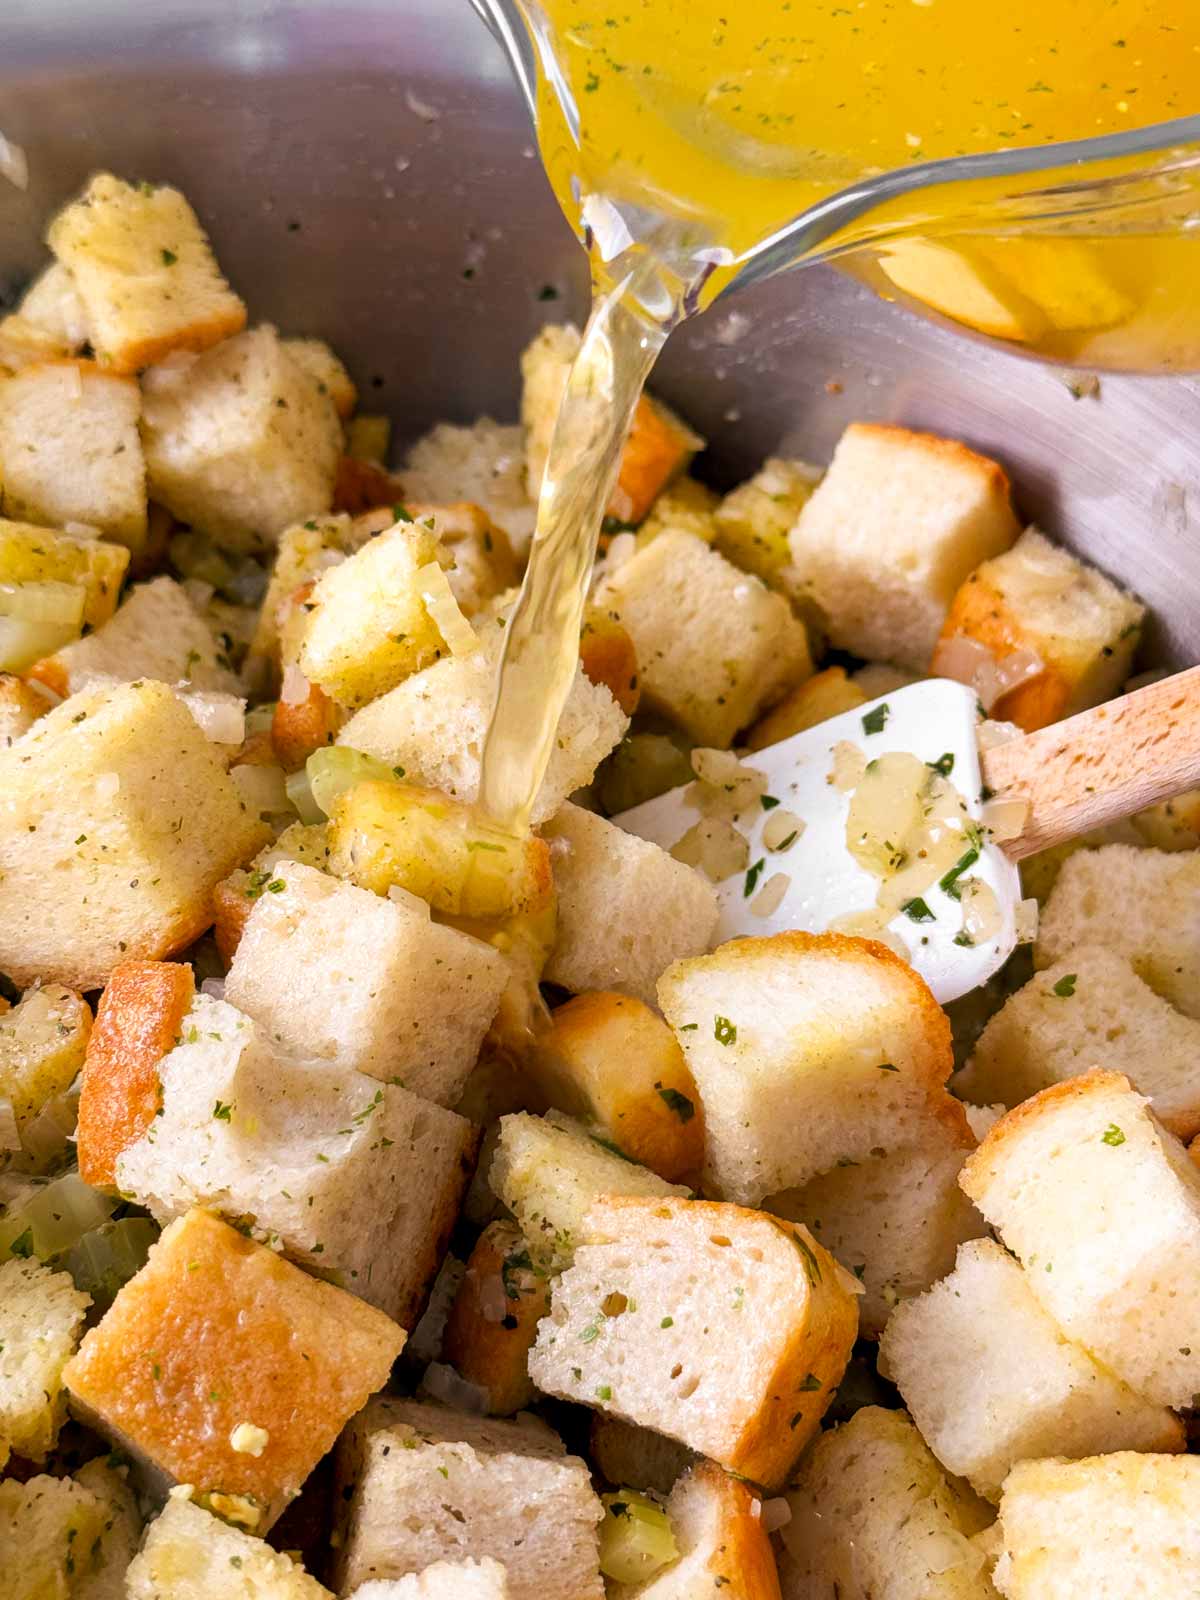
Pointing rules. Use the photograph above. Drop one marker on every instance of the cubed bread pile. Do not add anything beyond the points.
(398, 1206)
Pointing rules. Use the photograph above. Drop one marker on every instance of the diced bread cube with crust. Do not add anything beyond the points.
(23, 344)
(714, 645)
(607, 656)
(32, 554)
(753, 521)
(366, 625)
(235, 898)
(687, 504)
(493, 1321)
(1102, 1208)
(658, 448)
(894, 528)
(626, 908)
(365, 489)
(433, 725)
(482, 564)
(120, 1532)
(20, 707)
(120, 820)
(549, 1170)
(1107, 1528)
(1172, 824)
(826, 694)
(70, 451)
(298, 727)
(156, 632)
(896, 1219)
(326, 370)
(338, 973)
(42, 1043)
(873, 1514)
(138, 1021)
(304, 551)
(444, 1580)
(216, 1332)
(358, 1182)
(483, 464)
(990, 1380)
(240, 444)
(53, 303)
(1039, 598)
(189, 1554)
(724, 1549)
(144, 272)
(49, 1528)
(726, 1329)
(1140, 904)
(628, 1456)
(41, 1318)
(421, 1483)
(651, 1109)
(808, 1049)
(1090, 1009)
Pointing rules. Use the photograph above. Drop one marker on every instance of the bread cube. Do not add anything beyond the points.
(144, 272)
(155, 633)
(607, 656)
(240, 444)
(385, 834)
(808, 1049)
(20, 707)
(23, 344)
(217, 1331)
(49, 1529)
(637, 1458)
(421, 1482)
(444, 1580)
(1039, 597)
(894, 528)
(335, 972)
(658, 448)
(235, 898)
(990, 1381)
(31, 554)
(1171, 824)
(651, 1109)
(52, 303)
(726, 1329)
(366, 625)
(1102, 1208)
(120, 820)
(1106, 1528)
(326, 369)
(493, 1321)
(754, 520)
(549, 1170)
(826, 694)
(1089, 1009)
(191, 1555)
(1139, 904)
(607, 881)
(70, 451)
(714, 645)
(42, 1044)
(298, 727)
(482, 563)
(355, 1181)
(304, 551)
(41, 1316)
(484, 464)
(895, 1219)
(874, 1514)
(724, 1550)
(120, 1532)
(433, 725)
(138, 1021)
(687, 504)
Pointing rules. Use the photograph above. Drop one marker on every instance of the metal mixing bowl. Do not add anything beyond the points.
(367, 173)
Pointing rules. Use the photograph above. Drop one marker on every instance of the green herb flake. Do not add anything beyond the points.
(169, 258)
(667, 1322)
(812, 1267)
(768, 802)
(22, 1245)
(810, 1385)
(724, 1031)
(752, 878)
(1065, 987)
(1112, 1135)
(943, 765)
(875, 721)
(604, 1391)
(948, 882)
(590, 1334)
(886, 1066)
(917, 911)
(683, 1108)
(222, 1112)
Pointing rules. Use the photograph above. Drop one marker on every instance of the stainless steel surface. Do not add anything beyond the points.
(390, 132)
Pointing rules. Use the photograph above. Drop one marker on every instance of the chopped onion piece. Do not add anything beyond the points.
(969, 661)
(22, 642)
(493, 1301)
(849, 764)
(981, 910)
(434, 589)
(104, 1259)
(1005, 819)
(782, 829)
(1025, 921)
(295, 687)
(300, 797)
(404, 897)
(259, 719)
(214, 988)
(715, 847)
(221, 717)
(14, 164)
(54, 1217)
(776, 1514)
(46, 1137)
(726, 786)
(10, 1139)
(443, 1383)
(636, 1539)
(262, 789)
(335, 768)
(82, 530)
(43, 602)
(989, 733)
(769, 898)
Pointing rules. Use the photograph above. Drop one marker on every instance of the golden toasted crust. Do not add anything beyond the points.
(825, 694)
(231, 911)
(362, 486)
(200, 336)
(52, 673)
(742, 1554)
(974, 1175)
(657, 448)
(607, 656)
(216, 1331)
(981, 611)
(493, 1320)
(651, 1107)
(300, 727)
(138, 1021)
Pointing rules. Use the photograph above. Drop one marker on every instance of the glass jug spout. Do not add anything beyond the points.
(1081, 250)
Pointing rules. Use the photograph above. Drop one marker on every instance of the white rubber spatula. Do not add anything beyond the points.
(1076, 775)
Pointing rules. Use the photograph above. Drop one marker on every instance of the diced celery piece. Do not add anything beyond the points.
(104, 1259)
(55, 1216)
(335, 768)
(635, 1537)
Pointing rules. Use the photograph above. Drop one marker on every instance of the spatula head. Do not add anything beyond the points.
(935, 721)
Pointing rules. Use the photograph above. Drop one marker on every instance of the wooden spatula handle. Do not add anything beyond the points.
(1102, 765)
